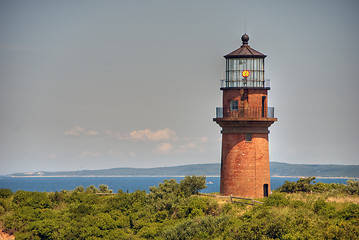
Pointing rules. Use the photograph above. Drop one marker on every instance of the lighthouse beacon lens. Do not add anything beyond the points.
(245, 73)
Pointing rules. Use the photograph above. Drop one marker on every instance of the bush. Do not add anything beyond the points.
(353, 186)
(206, 227)
(323, 208)
(104, 189)
(92, 189)
(276, 199)
(350, 212)
(196, 206)
(32, 199)
(5, 192)
(80, 189)
(166, 188)
(193, 184)
(302, 185)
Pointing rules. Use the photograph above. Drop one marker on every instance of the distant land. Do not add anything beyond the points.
(212, 169)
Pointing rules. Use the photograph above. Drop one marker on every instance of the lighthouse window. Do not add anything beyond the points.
(236, 66)
(248, 137)
(234, 105)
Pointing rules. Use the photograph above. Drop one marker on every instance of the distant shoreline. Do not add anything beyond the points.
(316, 177)
(113, 176)
(277, 176)
(283, 170)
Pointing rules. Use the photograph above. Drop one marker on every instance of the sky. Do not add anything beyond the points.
(105, 84)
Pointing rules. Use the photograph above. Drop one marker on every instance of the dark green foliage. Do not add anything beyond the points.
(104, 189)
(193, 184)
(198, 228)
(80, 189)
(323, 208)
(32, 199)
(170, 212)
(350, 212)
(328, 187)
(92, 189)
(302, 185)
(277, 200)
(5, 192)
(353, 186)
(58, 197)
(165, 189)
(305, 185)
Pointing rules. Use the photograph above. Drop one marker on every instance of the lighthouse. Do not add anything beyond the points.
(245, 118)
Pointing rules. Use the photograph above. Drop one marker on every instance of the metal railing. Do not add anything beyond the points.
(248, 113)
(245, 83)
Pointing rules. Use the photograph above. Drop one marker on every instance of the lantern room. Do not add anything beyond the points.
(245, 68)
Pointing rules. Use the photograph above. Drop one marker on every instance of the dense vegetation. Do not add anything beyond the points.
(172, 210)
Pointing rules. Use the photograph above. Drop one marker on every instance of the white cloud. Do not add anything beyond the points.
(137, 135)
(148, 135)
(52, 156)
(92, 133)
(163, 148)
(111, 134)
(203, 140)
(75, 131)
(192, 145)
(78, 130)
(87, 154)
(108, 133)
(133, 154)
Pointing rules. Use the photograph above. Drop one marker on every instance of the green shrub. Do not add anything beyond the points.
(302, 185)
(276, 199)
(5, 192)
(193, 184)
(92, 189)
(323, 208)
(104, 189)
(350, 212)
(207, 227)
(32, 199)
(80, 189)
(58, 197)
(353, 186)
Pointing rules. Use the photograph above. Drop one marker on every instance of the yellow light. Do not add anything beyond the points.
(245, 73)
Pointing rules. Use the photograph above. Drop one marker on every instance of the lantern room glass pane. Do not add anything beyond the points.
(236, 66)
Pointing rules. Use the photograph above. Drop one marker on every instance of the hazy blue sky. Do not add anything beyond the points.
(103, 84)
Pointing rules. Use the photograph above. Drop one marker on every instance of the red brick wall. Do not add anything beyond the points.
(254, 97)
(245, 165)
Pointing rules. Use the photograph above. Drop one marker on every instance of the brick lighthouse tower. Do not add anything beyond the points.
(245, 118)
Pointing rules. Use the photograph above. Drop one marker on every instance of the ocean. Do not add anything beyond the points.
(126, 184)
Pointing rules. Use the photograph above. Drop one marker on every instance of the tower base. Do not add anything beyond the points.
(245, 168)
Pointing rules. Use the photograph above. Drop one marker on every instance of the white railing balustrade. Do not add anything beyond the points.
(247, 113)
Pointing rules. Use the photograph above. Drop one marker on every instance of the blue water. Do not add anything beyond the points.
(130, 184)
